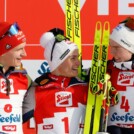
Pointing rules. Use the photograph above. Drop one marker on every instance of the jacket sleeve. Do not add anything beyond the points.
(28, 104)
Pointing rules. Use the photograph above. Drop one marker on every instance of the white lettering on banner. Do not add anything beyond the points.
(124, 7)
(62, 4)
(103, 7)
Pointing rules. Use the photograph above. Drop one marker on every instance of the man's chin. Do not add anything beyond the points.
(75, 74)
(18, 65)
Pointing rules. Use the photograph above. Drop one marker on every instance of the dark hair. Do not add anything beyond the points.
(129, 22)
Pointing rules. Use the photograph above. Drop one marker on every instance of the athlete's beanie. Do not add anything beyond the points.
(123, 34)
(10, 36)
(57, 47)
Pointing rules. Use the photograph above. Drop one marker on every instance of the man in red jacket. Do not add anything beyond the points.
(14, 80)
(121, 69)
(58, 100)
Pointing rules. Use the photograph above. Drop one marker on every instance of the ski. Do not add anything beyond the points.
(77, 31)
(101, 98)
(96, 104)
(69, 19)
(107, 84)
(88, 125)
(73, 26)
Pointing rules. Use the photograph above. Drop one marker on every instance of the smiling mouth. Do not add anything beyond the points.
(18, 58)
(75, 69)
(117, 59)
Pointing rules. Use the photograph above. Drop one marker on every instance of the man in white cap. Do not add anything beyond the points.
(121, 69)
(14, 80)
(58, 101)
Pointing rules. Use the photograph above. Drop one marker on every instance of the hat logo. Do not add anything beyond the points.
(8, 46)
(64, 54)
(125, 43)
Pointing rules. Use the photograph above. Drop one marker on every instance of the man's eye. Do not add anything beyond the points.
(75, 58)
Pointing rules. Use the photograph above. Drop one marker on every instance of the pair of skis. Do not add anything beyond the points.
(73, 25)
(98, 104)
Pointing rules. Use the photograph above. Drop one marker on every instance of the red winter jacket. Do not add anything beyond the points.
(58, 105)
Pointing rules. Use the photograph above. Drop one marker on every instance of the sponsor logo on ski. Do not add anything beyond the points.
(77, 18)
(63, 99)
(69, 19)
(9, 128)
(103, 62)
(94, 68)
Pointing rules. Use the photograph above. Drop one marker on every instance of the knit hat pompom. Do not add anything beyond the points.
(57, 48)
(47, 38)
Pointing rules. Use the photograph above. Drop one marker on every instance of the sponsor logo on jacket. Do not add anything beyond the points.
(126, 78)
(9, 128)
(63, 99)
(124, 118)
(47, 126)
(10, 119)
